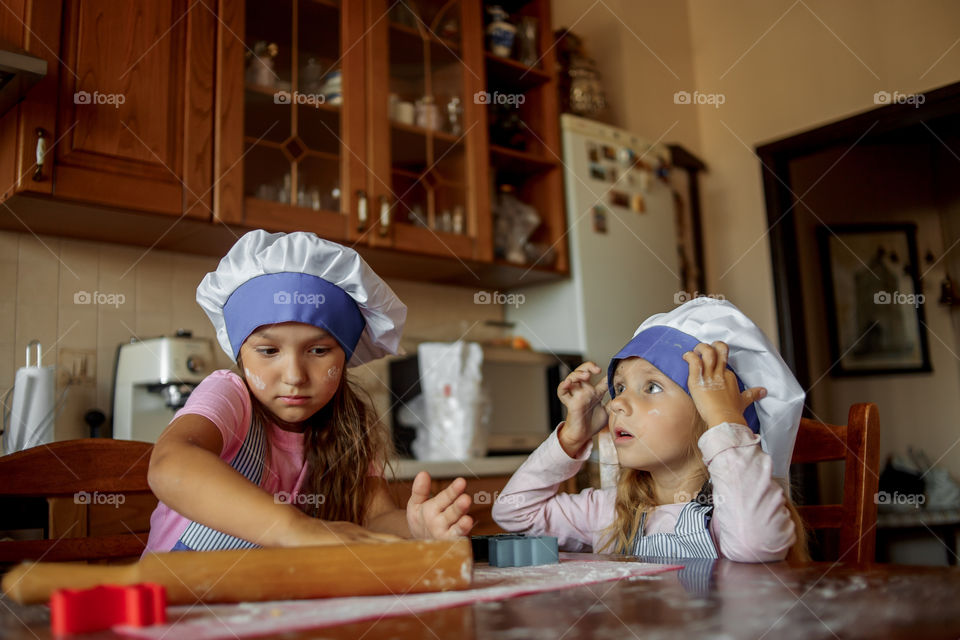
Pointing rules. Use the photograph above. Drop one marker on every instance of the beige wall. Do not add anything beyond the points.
(818, 61)
(40, 275)
(781, 66)
(644, 51)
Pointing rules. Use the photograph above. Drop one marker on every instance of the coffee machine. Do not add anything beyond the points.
(152, 380)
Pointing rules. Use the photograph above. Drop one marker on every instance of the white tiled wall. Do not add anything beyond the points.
(39, 277)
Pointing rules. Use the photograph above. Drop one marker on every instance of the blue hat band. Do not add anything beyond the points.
(272, 298)
(663, 347)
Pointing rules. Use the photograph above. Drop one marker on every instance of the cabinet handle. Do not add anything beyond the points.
(384, 216)
(41, 154)
(361, 210)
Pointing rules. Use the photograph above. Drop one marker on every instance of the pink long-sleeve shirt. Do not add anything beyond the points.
(750, 521)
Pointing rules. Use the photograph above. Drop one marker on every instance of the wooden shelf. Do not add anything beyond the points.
(404, 31)
(520, 162)
(507, 74)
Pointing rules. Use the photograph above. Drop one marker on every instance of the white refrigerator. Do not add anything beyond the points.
(622, 235)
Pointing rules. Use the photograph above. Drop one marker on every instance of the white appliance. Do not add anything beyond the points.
(619, 276)
(152, 381)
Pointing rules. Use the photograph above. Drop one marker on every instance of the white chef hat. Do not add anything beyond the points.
(268, 278)
(662, 339)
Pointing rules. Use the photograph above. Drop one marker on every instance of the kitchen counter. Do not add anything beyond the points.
(470, 468)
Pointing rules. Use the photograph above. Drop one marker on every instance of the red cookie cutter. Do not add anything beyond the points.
(81, 610)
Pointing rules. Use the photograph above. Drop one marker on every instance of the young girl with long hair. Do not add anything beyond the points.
(288, 452)
(703, 454)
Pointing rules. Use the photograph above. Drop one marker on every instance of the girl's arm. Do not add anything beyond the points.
(750, 522)
(530, 502)
(443, 516)
(187, 474)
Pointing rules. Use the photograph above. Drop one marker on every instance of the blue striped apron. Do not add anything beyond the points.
(249, 463)
(690, 538)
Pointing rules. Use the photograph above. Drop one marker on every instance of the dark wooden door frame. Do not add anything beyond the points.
(775, 158)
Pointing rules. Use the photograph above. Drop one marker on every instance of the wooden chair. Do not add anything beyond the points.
(857, 444)
(82, 481)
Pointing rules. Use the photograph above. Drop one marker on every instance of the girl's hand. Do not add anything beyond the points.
(714, 388)
(585, 414)
(444, 515)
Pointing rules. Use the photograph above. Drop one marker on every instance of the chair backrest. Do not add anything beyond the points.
(857, 444)
(93, 486)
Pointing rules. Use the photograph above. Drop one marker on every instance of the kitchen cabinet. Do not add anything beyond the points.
(126, 108)
(363, 122)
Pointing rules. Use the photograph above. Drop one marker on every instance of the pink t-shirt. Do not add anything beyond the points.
(223, 398)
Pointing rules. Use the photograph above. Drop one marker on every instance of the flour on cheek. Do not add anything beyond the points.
(255, 379)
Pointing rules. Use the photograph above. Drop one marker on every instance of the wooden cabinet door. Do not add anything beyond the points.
(290, 115)
(34, 26)
(134, 127)
(427, 133)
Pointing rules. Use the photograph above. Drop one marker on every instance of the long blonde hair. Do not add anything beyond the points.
(343, 444)
(635, 496)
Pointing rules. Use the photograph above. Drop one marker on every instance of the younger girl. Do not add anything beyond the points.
(701, 464)
(287, 453)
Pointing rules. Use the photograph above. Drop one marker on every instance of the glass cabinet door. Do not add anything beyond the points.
(427, 135)
(297, 86)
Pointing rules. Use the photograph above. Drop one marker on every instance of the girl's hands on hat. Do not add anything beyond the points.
(443, 516)
(714, 388)
(586, 415)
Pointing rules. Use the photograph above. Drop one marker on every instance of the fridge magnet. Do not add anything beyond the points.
(612, 174)
(637, 203)
(599, 219)
(593, 153)
(609, 153)
(597, 172)
(619, 199)
(875, 304)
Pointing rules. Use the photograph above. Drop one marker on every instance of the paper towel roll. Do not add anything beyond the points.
(32, 410)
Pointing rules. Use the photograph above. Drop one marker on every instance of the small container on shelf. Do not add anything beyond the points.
(454, 116)
(427, 114)
(260, 68)
(500, 33)
(528, 49)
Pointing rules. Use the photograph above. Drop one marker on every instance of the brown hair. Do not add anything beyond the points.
(343, 443)
(635, 496)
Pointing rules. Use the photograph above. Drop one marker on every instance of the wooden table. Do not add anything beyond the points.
(707, 599)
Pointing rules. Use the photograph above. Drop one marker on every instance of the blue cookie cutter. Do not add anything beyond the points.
(517, 550)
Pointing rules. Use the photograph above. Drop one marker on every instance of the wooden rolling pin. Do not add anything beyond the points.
(255, 575)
